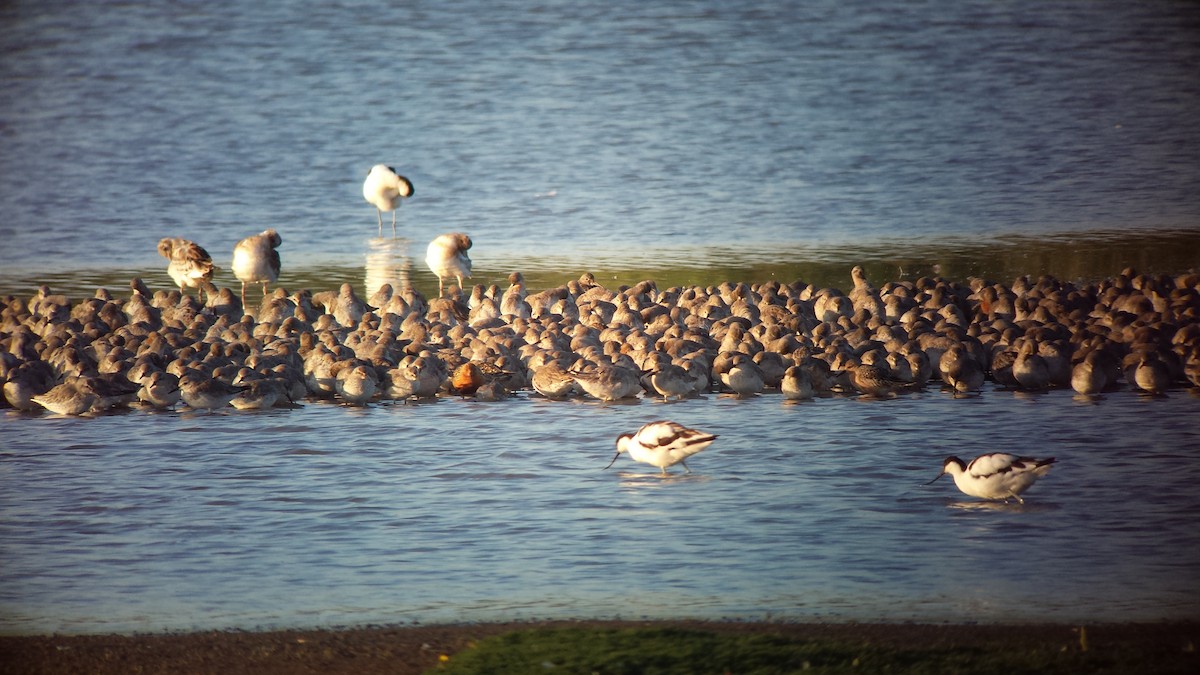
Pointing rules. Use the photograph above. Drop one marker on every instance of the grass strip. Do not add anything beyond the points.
(662, 651)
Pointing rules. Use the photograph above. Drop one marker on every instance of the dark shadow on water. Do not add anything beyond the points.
(620, 401)
(394, 403)
(660, 400)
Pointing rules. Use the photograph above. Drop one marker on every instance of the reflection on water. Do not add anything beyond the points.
(912, 139)
(1097, 256)
(652, 478)
(1005, 507)
(465, 511)
(1088, 399)
(387, 263)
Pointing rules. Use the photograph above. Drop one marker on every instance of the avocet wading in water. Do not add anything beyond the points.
(384, 188)
(663, 444)
(996, 475)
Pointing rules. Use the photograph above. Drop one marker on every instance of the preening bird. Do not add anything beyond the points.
(190, 265)
(447, 257)
(384, 188)
(255, 260)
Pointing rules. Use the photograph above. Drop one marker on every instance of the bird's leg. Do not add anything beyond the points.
(265, 288)
(243, 294)
(379, 215)
(664, 472)
(393, 226)
(689, 470)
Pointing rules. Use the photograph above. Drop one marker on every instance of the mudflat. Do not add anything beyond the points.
(1148, 647)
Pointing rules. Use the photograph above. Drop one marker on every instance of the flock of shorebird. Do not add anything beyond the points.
(256, 258)
(214, 350)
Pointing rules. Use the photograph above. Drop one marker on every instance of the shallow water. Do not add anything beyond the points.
(463, 511)
(601, 136)
(399, 262)
(691, 144)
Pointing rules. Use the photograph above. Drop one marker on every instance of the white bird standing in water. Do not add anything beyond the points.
(996, 475)
(663, 444)
(447, 257)
(384, 188)
(255, 260)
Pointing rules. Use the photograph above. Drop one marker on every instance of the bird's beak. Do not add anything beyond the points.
(614, 461)
(936, 477)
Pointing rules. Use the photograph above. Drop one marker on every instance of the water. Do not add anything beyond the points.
(589, 135)
(457, 511)
(693, 143)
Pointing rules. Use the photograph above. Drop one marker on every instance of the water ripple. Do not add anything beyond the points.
(716, 144)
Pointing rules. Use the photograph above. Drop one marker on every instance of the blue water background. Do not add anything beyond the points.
(590, 134)
(572, 136)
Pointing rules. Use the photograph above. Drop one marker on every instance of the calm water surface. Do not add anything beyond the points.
(615, 135)
(458, 510)
(693, 143)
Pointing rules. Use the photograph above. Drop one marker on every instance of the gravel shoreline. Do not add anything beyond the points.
(404, 650)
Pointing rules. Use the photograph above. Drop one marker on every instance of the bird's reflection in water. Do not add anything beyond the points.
(641, 481)
(387, 263)
(996, 505)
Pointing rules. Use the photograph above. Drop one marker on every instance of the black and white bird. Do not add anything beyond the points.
(255, 260)
(996, 475)
(190, 265)
(663, 444)
(447, 257)
(384, 188)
